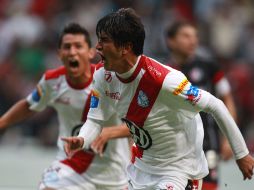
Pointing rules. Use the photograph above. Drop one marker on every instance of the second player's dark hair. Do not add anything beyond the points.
(174, 28)
(123, 27)
(74, 28)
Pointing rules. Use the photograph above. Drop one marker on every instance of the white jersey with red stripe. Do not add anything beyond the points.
(161, 109)
(72, 104)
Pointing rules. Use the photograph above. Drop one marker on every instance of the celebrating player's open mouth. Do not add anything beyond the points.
(73, 66)
(102, 57)
(73, 63)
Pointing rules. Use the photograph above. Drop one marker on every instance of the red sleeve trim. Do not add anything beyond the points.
(55, 73)
(217, 77)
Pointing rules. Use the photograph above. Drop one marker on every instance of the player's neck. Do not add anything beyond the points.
(179, 59)
(127, 64)
(131, 71)
(82, 79)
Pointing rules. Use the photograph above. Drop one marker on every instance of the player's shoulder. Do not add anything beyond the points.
(54, 73)
(175, 77)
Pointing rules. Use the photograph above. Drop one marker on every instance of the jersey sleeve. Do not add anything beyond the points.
(188, 100)
(182, 95)
(39, 97)
(100, 108)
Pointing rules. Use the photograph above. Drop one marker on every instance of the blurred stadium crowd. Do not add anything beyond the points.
(29, 33)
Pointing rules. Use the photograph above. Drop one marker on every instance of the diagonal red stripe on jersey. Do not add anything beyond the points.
(150, 83)
(80, 161)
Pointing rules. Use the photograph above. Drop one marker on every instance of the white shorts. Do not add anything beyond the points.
(62, 177)
(139, 180)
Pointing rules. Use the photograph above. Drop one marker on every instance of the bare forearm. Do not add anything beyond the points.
(18, 112)
(120, 131)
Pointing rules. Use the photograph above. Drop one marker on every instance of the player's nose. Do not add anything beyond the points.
(98, 46)
(72, 50)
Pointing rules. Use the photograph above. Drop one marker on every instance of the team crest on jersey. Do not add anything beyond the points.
(94, 99)
(108, 76)
(143, 100)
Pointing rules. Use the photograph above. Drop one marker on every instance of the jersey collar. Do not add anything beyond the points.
(130, 75)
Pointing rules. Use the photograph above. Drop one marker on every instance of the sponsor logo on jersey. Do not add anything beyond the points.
(108, 76)
(193, 95)
(140, 136)
(75, 130)
(37, 93)
(154, 70)
(94, 99)
(113, 95)
(143, 100)
(181, 87)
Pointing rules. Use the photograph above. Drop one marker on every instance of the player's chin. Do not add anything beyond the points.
(74, 74)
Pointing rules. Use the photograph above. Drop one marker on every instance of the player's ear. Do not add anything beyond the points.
(127, 48)
(92, 53)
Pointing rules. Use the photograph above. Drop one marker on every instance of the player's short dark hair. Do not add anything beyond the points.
(174, 28)
(123, 27)
(74, 28)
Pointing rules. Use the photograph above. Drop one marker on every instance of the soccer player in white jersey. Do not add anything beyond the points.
(160, 107)
(68, 89)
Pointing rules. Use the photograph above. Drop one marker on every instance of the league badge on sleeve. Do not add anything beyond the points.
(143, 100)
(193, 94)
(36, 94)
(94, 99)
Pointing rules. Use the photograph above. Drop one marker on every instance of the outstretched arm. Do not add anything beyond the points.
(191, 100)
(18, 112)
(226, 152)
(229, 128)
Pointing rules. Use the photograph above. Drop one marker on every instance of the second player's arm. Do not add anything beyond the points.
(18, 112)
(107, 134)
(91, 131)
